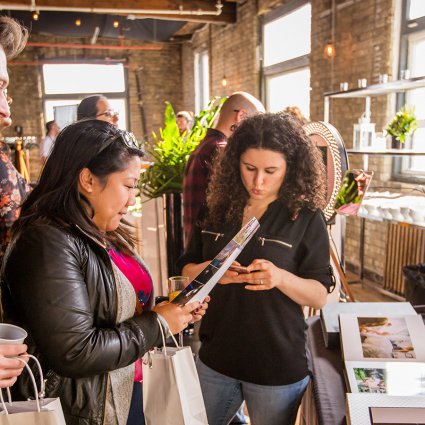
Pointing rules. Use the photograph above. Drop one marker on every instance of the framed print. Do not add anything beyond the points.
(378, 338)
(392, 378)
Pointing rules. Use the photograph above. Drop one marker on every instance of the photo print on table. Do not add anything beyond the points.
(392, 378)
(386, 337)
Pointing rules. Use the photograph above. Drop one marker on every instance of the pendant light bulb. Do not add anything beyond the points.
(329, 50)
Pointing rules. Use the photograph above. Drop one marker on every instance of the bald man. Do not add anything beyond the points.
(196, 177)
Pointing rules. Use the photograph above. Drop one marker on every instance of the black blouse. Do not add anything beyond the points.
(259, 336)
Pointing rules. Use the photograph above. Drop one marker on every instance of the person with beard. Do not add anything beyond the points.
(13, 186)
(13, 38)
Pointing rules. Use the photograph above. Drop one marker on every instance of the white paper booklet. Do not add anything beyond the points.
(392, 378)
(201, 286)
(391, 338)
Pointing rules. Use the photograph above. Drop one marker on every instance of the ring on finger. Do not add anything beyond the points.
(261, 281)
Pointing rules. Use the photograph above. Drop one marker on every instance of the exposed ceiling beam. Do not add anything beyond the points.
(218, 11)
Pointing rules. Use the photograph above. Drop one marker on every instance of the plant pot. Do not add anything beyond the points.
(395, 143)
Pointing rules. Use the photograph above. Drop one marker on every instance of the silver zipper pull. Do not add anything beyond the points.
(262, 240)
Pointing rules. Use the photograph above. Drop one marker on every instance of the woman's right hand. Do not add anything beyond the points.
(177, 317)
(11, 368)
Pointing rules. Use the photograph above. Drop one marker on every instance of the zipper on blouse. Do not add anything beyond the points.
(262, 240)
(217, 235)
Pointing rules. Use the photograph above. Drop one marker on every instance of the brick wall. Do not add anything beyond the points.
(159, 74)
(232, 52)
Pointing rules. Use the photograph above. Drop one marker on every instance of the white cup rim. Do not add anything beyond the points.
(19, 340)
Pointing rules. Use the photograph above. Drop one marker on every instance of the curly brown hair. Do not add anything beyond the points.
(303, 186)
(13, 36)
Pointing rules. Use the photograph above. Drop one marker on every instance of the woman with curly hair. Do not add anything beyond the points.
(253, 337)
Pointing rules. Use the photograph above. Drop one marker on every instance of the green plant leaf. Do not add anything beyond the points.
(170, 151)
(403, 123)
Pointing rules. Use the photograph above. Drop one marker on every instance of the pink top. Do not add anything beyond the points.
(142, 284)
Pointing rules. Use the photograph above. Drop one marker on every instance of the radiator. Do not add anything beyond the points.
(405, 246)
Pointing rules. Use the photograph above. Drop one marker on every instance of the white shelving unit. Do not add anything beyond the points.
(397, 86)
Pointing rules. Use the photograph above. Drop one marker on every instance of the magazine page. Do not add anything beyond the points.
(392, 378)
(377, 338)
(201, 286)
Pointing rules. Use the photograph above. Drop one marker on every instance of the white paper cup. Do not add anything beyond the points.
(11, 334)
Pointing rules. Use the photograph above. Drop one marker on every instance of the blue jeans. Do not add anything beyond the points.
(266, 404)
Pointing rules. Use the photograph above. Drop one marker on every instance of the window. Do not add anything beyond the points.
(66, 84)
(412, 168)
(202, 84)
(285, 63)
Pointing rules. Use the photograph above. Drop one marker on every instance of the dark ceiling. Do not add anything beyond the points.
(63, 24)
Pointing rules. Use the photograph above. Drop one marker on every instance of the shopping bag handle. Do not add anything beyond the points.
(33, 383)
(163, 337)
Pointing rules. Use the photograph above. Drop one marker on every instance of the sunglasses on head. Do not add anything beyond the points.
(126, 137)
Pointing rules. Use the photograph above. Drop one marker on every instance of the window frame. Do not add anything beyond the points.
(79, 96)
(202, 84)
(410, 29)
(290, 65)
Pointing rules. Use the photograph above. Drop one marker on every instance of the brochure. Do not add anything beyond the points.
(201, 286)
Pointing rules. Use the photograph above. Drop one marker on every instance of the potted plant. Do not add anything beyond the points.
(403, 124)
(164, 177)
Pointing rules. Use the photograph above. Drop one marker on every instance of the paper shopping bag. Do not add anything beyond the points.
(171, 390)
(41, 411)
(18, 409)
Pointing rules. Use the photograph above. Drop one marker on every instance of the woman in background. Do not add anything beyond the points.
(73, 280)
(253, 337)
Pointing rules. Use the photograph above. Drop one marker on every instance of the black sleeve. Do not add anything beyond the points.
(315, 258)
(50, 292)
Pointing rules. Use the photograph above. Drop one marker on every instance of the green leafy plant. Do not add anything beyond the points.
(403, 123)
(170, 151)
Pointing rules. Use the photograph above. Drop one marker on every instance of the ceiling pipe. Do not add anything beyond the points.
(95, 46)
(132, 67)
(131, 12)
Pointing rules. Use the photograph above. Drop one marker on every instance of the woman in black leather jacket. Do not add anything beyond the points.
(253, 337)
(72, 279)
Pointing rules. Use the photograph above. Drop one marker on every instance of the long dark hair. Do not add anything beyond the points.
(56, 197)
(304, 181)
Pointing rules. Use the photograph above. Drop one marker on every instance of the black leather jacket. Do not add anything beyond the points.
(59, 285)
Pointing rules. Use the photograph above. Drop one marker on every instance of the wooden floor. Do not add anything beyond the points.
(367, 291)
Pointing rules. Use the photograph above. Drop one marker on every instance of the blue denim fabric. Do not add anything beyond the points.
(267, 405)
(136, 415)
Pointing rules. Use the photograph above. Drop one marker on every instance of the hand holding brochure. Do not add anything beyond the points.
(201, 286)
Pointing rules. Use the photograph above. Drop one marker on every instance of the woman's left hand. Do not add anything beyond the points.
(201, 310)
(264, 275)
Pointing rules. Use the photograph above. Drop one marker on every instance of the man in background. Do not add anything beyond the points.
(13, 38)
(197, 173)
(46, 145)
(184, 121)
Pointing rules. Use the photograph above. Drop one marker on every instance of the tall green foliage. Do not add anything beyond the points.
(170, 152)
